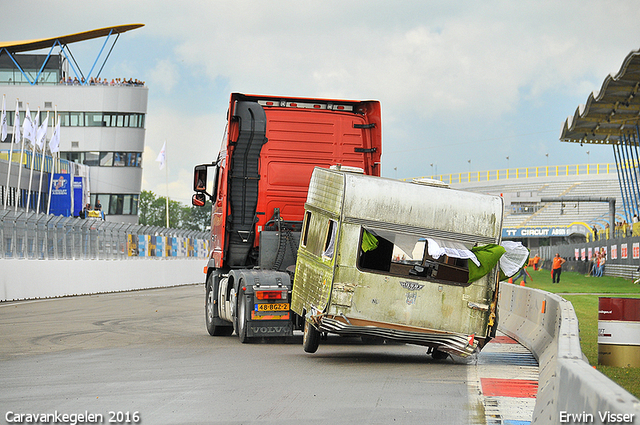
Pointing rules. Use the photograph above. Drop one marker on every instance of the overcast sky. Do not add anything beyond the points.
(457, 80)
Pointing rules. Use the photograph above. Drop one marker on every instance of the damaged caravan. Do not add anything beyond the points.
(402, 261)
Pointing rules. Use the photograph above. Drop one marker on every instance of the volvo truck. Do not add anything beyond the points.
(258, 186)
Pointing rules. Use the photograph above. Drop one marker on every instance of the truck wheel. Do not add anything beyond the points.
(241, 320)
(209, 306)
(311, 338)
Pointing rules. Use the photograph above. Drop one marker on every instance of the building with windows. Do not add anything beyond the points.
(102, 118)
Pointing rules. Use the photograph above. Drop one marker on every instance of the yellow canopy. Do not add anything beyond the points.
(44, 43)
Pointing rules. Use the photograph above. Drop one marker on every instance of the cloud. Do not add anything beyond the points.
(486, 77)
(164, 76)
(192, 139)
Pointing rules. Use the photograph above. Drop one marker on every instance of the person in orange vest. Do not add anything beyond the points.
(536, 260)
(556, 269)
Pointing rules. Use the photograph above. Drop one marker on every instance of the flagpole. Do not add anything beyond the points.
(53, 163)
(53, 156)
(166, 181)
(21, 167)
(33, 156)
(6, 192)
(44, 150)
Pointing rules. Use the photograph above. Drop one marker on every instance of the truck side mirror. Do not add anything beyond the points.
(198, 199)
(200, 178)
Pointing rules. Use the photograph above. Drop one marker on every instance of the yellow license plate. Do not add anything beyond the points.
(272, 307)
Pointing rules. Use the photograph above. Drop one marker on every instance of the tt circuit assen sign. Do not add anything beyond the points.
(535, 232)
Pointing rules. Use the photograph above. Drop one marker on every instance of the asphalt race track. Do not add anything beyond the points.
(145, 357)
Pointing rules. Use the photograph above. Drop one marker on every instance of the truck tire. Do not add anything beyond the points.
(241, 320)
(311, 338)
(209, 306)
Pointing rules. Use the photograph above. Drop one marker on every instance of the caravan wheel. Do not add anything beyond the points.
(311, 338)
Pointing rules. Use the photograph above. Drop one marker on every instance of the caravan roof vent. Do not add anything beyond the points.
(346, 168)
(430, 182)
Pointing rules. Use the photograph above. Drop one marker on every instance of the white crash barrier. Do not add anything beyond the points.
(567, 385)
(26, 279)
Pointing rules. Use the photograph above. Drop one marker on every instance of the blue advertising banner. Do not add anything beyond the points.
(142, 245)
(152, 246)
(174, 247)
(61, 193)
(535, 232)
(77, 196)
(159, 246)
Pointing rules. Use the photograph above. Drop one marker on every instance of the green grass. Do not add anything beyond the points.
(583, 292)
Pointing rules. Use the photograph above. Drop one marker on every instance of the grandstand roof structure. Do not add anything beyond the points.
(610, 114)
(11, 48)
(44, 43)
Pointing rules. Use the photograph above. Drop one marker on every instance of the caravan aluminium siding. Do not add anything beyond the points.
(314, 271)
(345, 298)
(414, 206)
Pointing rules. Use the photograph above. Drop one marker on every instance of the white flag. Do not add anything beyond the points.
(42, 132)
(16, 125)
(54, 143)
(162, 156)
(27, 127)
(4, 121)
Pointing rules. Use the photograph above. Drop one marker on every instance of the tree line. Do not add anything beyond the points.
(152, 212)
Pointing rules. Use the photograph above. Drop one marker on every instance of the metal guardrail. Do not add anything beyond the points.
(547, 325)
(27, 235)
(524, 173)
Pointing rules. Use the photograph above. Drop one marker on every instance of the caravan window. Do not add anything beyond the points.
(415, 257)
(330, 239)
(305, 228)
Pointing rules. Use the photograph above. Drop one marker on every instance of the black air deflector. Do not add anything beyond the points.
(372, 125)
(244, 177)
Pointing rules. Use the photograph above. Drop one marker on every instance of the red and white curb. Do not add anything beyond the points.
(503, 384)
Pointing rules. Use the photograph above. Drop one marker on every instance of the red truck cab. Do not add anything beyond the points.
(270, 148)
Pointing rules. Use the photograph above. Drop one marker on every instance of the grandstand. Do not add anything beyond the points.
(610, 116)
(529, 219)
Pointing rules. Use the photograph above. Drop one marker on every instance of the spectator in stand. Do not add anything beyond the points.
(557, 268)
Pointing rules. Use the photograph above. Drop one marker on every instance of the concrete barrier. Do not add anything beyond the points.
(567, 385)
(29, 279)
